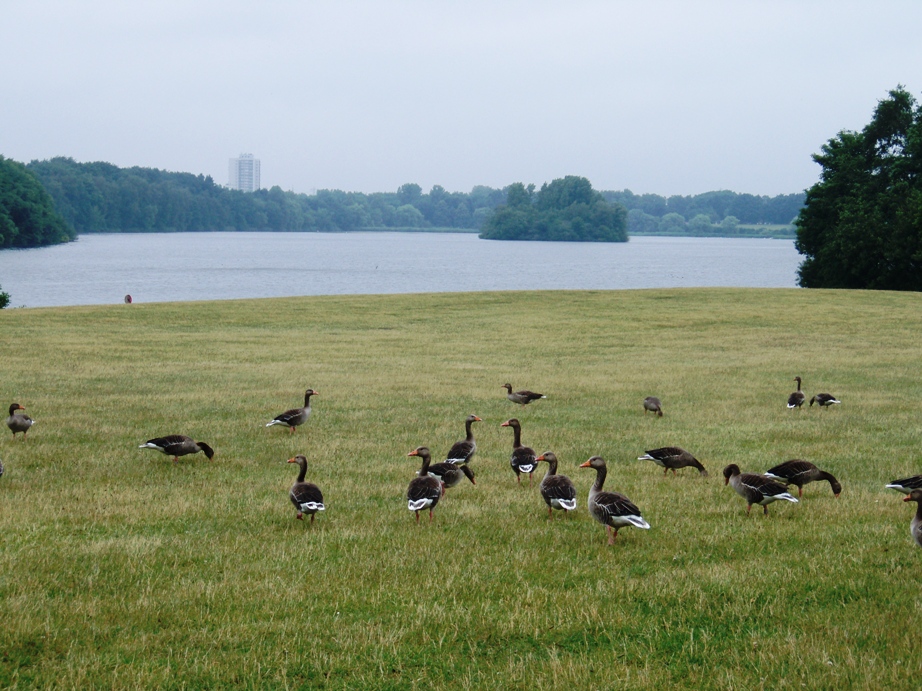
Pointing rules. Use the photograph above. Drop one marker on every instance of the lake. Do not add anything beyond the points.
(161, 267)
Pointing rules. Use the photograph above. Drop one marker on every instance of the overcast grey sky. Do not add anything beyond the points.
(656, 96)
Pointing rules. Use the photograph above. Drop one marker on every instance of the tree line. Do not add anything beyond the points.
(101, 197)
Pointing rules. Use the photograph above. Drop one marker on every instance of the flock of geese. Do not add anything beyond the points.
(612, 509)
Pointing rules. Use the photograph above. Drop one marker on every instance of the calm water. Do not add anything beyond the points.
(159, 267)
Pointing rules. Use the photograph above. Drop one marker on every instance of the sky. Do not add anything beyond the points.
(655, 96)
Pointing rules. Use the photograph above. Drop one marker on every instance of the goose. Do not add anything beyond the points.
(799, 473)
(523, 457)
(672, 457)
(755, 489)
(1, 468)
(558, 491)
(17, 422)
(796, 399)
(651, 404)
(906, 485)
(915, 528)
(450, 474)
(611, 509)
(824, 400)
(462, 452)
(424, 491)
(296, 416)
(177, 445)
(306, 496)
(523, 397)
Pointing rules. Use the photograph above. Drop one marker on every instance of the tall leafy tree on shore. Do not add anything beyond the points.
(861, 226)
(27, 213)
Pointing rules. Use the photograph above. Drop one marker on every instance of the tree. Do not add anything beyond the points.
(861, 225)
(28, 217)
(4, 299)
(567, 209)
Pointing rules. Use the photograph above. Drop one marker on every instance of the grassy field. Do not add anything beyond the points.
(121, 569)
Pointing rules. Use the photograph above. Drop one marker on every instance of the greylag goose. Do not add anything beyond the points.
(611, 509)
(796, 399)
(462, 452)
(906, 485)
(296, 416)
(17, 422)
(306, 496)
(177, 445)
(523, 397)
(824, 400)
(523, 457)
(755, 489)
(799, 473)
(558, 491)
(424, 491)
(651, 404)
(915, 528)
(671, 458)
(450, 474)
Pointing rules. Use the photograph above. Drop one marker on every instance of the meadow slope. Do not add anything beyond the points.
(121, 569)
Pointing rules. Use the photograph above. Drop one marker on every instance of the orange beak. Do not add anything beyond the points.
(413, 453)
(291, 460)
(585, 465)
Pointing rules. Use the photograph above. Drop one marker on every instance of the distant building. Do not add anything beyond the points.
(243, 173)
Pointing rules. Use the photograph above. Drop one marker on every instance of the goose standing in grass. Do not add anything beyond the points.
(915, 528)
(523, 459)
(611, 509)
(306, 496)
(824, 400)
(558, 491)
(17, 422)
(523, 397)
(796, 399)
(906, 485)
(755, 489)
(424, 491)
(651, 404)
(671, 458)
(177, 445)
(450, 474)
(799, 473)
(296, 416)
(462, 452)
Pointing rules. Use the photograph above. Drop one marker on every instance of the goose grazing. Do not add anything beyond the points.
(558, 491)
(824, 400)
(651, 404)
(523, 459)
(611, 509)
(177, 445)
(462, 452)
(523, 397)
(796, 399)
(915, 528)
(906, 485)
(671, 458)
(306, 496)
(424, 491)
(755, 489)
(17, 422)
(799, 473)
(450, 474)
(296, 416)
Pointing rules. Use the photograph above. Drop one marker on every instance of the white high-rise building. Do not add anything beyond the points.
(243, 173)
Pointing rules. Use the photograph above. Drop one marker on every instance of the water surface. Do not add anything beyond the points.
(159, 267)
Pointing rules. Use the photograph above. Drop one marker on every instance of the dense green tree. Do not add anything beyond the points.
(861, 225)
(567, 209)
(28, 217)
(4, 298)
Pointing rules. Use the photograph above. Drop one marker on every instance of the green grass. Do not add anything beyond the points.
(120, 569)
